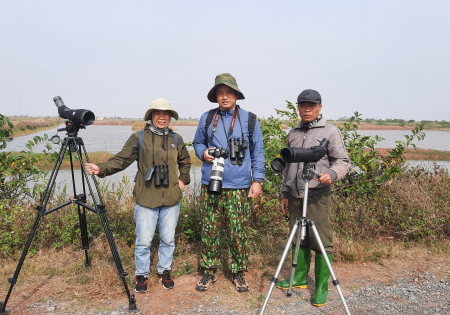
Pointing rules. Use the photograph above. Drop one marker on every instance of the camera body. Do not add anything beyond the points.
(215, 181)
(218, 153)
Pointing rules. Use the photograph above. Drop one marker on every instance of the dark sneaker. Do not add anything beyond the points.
(207, 280)
(165, 279)
(239, 282)
(141, 284)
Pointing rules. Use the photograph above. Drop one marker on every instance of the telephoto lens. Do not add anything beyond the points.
(215, 181)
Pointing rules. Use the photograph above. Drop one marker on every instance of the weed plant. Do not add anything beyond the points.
(400, 204)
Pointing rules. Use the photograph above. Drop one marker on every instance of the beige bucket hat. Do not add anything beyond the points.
(160, 104)
(228, 80)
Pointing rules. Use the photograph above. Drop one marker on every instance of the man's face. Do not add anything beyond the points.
(226, 97)
(161, 118)
(309, 111)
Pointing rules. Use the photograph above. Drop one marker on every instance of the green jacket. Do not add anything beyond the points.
(146, 193)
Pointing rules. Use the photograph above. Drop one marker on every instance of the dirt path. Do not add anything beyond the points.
(370, 288)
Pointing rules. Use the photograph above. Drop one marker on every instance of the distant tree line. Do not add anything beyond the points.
(400, 122)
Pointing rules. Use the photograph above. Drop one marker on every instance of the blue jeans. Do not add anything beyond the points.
(146, 221)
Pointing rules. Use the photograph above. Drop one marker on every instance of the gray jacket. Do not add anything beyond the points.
(336, 162)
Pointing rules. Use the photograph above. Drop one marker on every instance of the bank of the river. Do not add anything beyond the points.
(30, 125)
(140, 123)
(411, 154)
(96, 158)
(422, 154)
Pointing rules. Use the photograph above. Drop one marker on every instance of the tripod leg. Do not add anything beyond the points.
(13, 280)
(109, 236)
(115, 253)
(84, 236)
(82, 213)
(325, 256)
(280, 265)
(294, 262)
(41, 212)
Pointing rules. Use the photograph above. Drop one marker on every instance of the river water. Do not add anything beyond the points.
(112, 139)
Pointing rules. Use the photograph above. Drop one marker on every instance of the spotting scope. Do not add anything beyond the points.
(77, 116)
(296, 155)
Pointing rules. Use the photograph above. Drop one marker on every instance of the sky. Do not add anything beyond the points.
(383, 59)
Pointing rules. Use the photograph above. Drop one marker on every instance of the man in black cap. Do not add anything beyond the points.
(332, 168)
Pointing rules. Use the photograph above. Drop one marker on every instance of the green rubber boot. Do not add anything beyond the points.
(322, 274)
(301, 271)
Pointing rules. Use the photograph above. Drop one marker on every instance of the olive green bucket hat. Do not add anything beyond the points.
(228, 80)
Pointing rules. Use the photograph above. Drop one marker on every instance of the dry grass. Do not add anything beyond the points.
(74, 280)
(60, 275)
(94, 157)
(421, 154)
(31, 125)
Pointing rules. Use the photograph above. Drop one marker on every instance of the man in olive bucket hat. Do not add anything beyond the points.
(227, 127)
(332, 167)
(163, 171)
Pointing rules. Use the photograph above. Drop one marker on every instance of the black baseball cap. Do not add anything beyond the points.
(311, 96)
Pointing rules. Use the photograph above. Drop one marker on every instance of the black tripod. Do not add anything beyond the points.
(308, 174)
(75, 144)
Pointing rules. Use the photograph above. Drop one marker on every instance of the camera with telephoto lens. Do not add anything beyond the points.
(296, 155)
(215, 181)
(161, 174)
(237, 150)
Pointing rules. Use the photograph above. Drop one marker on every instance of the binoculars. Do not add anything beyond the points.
(237, 150)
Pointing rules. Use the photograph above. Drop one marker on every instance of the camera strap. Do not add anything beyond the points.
(232, 124)
(213, 114)
(214, 126)
(164, 146)
(141, 136)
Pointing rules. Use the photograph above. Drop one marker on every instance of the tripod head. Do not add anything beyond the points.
(71, 130)
(76, 119)
(309, 171)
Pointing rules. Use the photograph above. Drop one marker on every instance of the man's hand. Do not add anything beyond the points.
(325, 179)
(91, 169)
(181, 184)
(255, 190)
(208, 158)
(284, 205)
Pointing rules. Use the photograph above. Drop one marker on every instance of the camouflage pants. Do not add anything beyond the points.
(233, 209)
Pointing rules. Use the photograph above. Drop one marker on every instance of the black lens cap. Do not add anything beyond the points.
(278, 165)
(56, 139)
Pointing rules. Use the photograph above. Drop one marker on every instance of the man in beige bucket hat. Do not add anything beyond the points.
(238, 133)
(163, 171)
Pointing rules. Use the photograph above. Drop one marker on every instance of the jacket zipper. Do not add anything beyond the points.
(304, 138)
(161, 139)
(303, 144)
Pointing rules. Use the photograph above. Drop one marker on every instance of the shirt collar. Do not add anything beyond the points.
(228, 112)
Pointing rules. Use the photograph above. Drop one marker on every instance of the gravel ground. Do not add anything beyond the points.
(425, 294)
